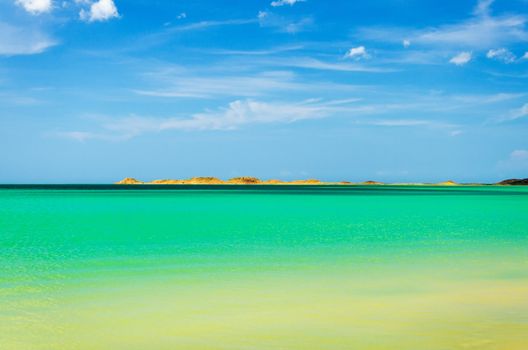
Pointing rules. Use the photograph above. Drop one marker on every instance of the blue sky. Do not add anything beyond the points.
(92, 91)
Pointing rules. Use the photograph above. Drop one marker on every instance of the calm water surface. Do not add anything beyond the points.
(256, 267)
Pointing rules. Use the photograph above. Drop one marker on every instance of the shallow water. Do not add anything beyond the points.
(257, 267)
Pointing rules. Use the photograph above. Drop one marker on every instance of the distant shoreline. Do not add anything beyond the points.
(247, 180)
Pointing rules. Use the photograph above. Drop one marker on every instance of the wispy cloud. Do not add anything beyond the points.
(488, 98)
(23, 40)
(237, 114)
(270, 76)
(481, 31)
(206, 25)
(501, 54)
(411, 123)
(512, 115)
(169, 32)
(313, 63)
(478, 33)
(244, 112)
(278, 3)
(519, 113)
(461, 58)
(188, 85)
(240, 113)
(261, 52)
(269, 19)
(483, 8)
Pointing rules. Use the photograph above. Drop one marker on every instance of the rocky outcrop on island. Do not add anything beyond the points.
(204, 180)
(514, 182)
(244, 180)
(129, 181)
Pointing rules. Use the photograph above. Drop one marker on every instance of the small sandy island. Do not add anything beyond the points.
(250, 180)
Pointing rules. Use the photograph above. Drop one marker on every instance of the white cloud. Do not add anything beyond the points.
(406, 43)
(23, 40)
(101, 10)
(285, 2)
(461, 59)
(501, 54)
(525, 56)
(357, 53)
(35, 6)
(181, 15)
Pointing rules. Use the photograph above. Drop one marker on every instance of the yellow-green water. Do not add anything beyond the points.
(231, 267)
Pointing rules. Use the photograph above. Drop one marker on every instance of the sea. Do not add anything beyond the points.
(263, 267)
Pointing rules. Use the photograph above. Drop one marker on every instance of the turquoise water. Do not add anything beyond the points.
(258, 267)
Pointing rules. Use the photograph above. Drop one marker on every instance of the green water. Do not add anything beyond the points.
(279, 267)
